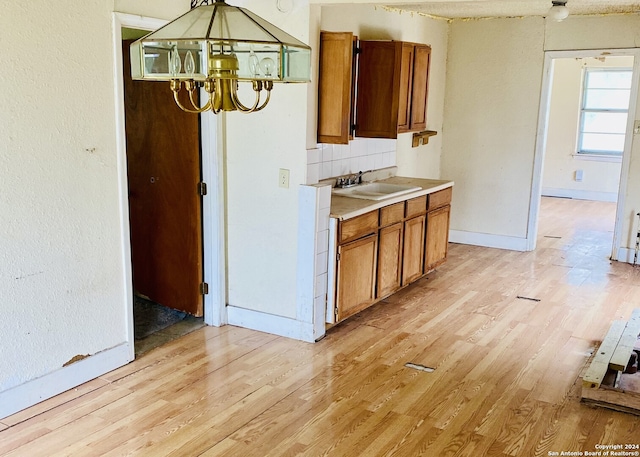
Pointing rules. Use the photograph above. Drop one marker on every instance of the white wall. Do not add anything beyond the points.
(494, 78)
(491, 107)
(262, 217)
(62, 276)
(601, 177)
(371, 22)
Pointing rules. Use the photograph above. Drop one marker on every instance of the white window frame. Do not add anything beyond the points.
(598, 153)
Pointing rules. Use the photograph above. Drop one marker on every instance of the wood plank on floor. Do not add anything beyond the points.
(600, 364)
(628, 339)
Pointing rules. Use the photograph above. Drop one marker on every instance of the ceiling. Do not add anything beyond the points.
(454, 9)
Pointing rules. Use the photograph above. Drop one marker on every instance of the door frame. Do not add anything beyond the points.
(541, 140)
(213, 204)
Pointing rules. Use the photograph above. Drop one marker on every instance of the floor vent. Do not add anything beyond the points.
(527, 298)
(416, 366)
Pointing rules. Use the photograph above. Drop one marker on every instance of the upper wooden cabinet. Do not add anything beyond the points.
(336, 88)
(417, 104)
(390, 94)
(392, 88)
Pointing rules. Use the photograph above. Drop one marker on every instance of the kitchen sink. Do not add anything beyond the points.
(375, 190)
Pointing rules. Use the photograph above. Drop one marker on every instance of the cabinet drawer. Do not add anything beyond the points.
(440, 198)
(359, 226)
(416, 206)
(391, 214)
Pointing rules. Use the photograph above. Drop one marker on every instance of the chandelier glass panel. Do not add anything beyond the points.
(217, 47)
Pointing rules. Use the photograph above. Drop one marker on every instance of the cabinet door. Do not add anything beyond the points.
(356, 276)
(389, 260)
(335, 83)
(420, 87)
(437, 239)
(378, 85)
(413, 250)
(405, 90)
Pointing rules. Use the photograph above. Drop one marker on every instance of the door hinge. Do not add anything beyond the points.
(335, 312)
(338, 257)
(204, 288)
(202, 188)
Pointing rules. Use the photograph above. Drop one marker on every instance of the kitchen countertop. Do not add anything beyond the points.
(346, 207)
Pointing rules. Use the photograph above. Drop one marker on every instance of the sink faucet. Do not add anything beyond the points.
(351, 180)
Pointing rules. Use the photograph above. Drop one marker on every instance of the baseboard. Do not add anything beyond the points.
(511, 243)
(270, 323)
(580, 194)
(627, 255)
(32, 392)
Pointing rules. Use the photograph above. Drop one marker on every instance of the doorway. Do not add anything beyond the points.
(165, 210)
(587, 116)
(579, 155)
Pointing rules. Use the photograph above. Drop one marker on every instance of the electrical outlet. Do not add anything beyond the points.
(283, 178)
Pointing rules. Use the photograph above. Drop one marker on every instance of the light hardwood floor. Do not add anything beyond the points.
(506, 379)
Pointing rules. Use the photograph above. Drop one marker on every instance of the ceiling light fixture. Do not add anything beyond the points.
(558, 11)
(217, 46)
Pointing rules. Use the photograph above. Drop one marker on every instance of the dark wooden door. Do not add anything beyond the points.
(165, 210)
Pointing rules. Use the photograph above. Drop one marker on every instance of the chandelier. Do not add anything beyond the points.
(217, 47)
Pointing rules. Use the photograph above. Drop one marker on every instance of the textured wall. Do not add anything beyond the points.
(494, 77)
(62, 291)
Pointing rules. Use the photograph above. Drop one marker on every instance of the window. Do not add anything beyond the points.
(603, 117)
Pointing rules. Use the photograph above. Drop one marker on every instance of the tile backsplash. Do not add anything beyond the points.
(361, 154)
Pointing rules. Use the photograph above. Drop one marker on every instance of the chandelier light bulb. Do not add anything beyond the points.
(267, 65)
(189, 64)
(175, 64)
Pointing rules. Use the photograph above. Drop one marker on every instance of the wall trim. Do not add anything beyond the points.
(270, 323)
(580, 194)
(626, 255)
(54, 383)
(213, 218)
(489, 240)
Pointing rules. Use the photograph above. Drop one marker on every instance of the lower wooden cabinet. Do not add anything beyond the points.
(356, 276)
(383, 250)
(390, 259)
(437, 239)
(413, 252)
